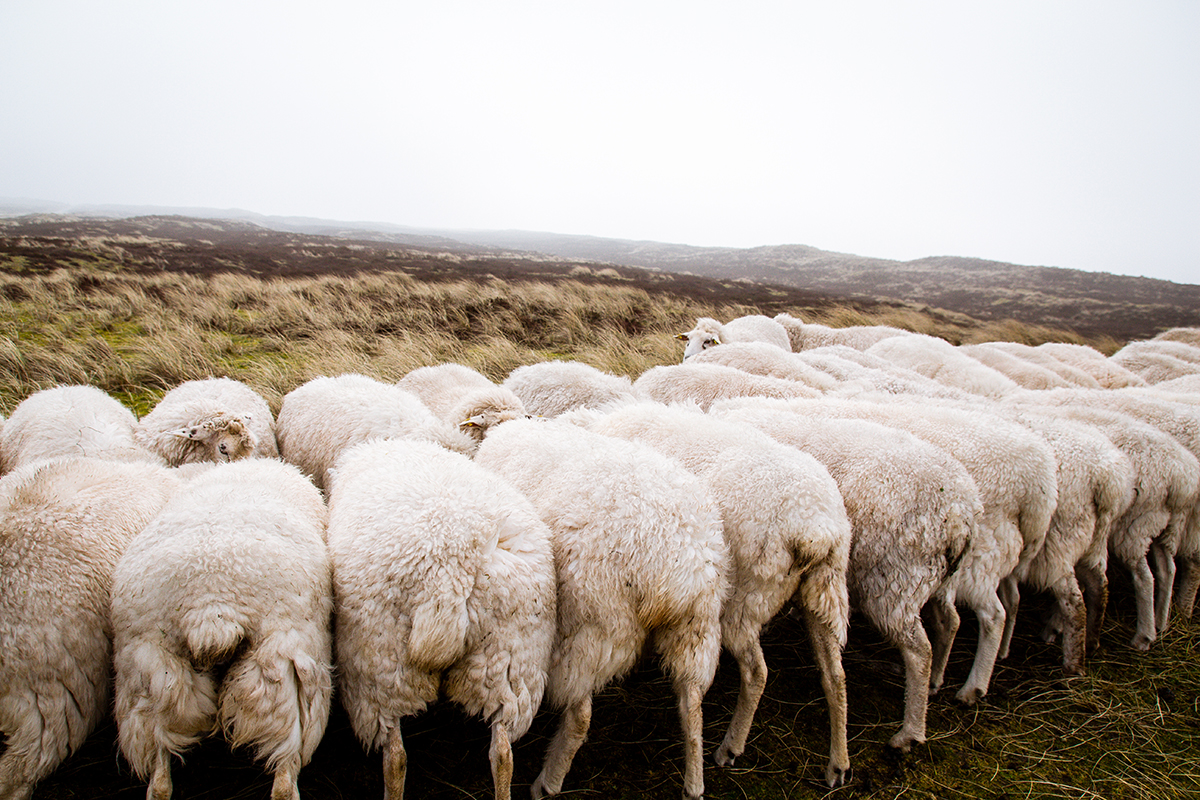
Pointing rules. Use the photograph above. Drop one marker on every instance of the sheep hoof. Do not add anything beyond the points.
(969, 697)
(724, 757)
(903, 742)
(836, 776)
(1142, 642)
(539, 790)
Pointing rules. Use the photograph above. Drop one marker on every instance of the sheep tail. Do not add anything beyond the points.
(213, 633)
(823, 594)
(276, 699)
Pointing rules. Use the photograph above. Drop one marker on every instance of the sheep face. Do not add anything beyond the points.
(706, 334)
(221, 438)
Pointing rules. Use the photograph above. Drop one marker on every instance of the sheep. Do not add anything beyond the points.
(71, 421)
(638, 551)
(753, 328)
(550, 388)
(443, 580)
(442, 387)
(481, 409)
(1180, 421)
(1165, 481)
(705, 384)
(1184, 385)
(1043, 357)
(231, 579)
(1095, 488)
(1186, 335)
(1107, 373)
(857, 372)
(913, 511)
(1015, 474)
(787, 533)
(1181, 350)
(63, 524)
(1155, 365)
(1023, 371)
(763, 359)
(807, 335)
(938, 359)
(216, 419)
(320, 418)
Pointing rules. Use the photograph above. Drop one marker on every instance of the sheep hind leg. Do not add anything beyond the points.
(572, 731)
(828, 653)
(160, 787)
(918, 657)
(1162, 563)
(501, 756)
(1189, 583)
(16, 775)
(747, 650)
(990, 612)
(1143, 589)
(1072, 615)
(945, 621)
(1094, 582)
(1010, 597)
(286, 784)
(395, 765)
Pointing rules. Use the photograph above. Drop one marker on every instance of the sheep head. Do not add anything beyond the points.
(487, 407)
(220, 437)
(706, 334)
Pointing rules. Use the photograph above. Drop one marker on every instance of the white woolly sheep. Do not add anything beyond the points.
(1179, 420)
(638, 554)
(753, 328)
(1186, 335)
(63, 525)
(808, 335)
(322, 417)
(1043, 357)
(763, 359)
(444, 582)
(857, 372)
(787, 534)
(1154, 365)
(441, 387)
(231, 576)
(1184, 384)
(705, 384)
(71, 421)
(1107, 373)
(1165, 481)
(1021, 370)
(1095, 488)
(216, 419)
(550, 388)
(938, 359)
(913, 510)
(481, 409)
(1181, 350)
(1015, 473)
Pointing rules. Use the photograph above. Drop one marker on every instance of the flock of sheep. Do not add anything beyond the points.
(212, 567)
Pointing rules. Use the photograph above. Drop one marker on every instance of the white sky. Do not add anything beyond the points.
(1041, 132)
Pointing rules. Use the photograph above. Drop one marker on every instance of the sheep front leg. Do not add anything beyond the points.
(501, 756)
(1072, 617)
(395, 765)
(160, 787)
(1093, 580)
(1189, 582)
(747, 650)
(828, 652)
(571, 733)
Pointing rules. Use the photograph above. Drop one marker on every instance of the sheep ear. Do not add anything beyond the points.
(716, 340)
(681, 337)
(472, 422)
(186, 433)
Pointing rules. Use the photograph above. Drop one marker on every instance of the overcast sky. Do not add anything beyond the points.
(1041, 132)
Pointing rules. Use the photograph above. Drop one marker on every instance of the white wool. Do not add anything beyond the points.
(550, 388)
(709, 333)
(215, 419)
